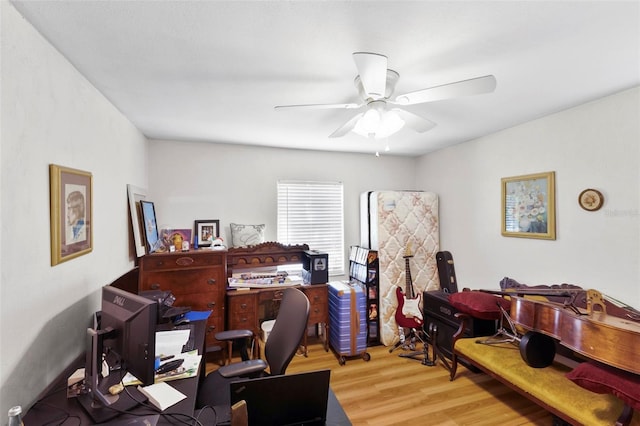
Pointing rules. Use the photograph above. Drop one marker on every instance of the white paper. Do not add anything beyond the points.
(162, 395)
(171, 342)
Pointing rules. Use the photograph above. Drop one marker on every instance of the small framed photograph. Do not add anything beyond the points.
(71, 214)
(149, 221)
(206, 231)
(528, 206)
(178, 238)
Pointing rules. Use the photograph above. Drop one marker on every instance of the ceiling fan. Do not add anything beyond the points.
(383, 115)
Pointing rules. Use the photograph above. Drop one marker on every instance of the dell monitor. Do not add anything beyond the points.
(125, 339)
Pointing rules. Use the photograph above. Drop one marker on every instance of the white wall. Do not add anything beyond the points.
(237, 184)
(51, 114)
(595, 145)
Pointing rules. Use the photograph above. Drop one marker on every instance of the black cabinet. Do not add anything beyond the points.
(363, 267)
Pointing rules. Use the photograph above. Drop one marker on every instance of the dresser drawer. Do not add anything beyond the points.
(214, 325)
(187, 281)
(171, 261)
(210, 301)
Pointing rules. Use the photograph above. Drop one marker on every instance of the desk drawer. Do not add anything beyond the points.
(318, 305)
(274, 295)
(244, 304)
(242, 311)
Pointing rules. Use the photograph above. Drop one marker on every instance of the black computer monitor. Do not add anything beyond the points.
(126, 341)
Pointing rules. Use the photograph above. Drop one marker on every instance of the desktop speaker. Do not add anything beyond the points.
(315, 267)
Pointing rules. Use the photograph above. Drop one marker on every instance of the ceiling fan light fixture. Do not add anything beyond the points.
(378, 125)
(378, 122)
(370, 121)
(390, 124)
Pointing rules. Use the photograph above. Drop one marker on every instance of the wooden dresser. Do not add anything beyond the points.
(196, 278)
(247, 309)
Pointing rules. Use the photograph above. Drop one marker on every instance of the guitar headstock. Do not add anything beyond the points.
(408, 252)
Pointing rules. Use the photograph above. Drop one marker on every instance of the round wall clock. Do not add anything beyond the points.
(590, 199)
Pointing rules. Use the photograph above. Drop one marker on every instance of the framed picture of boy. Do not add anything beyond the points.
(71, 195)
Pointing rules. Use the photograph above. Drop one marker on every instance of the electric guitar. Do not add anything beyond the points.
(408, 302)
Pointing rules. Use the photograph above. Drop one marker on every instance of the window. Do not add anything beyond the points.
(312, 213)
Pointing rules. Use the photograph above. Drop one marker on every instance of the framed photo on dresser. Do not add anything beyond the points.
(206, 231)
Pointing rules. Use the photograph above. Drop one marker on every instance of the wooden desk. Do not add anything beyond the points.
(247, 309)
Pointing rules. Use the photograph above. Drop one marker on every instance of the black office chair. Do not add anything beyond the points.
(280, 348)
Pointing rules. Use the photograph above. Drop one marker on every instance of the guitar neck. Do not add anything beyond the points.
(408, 280)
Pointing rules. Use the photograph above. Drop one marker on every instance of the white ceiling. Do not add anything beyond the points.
(214, 70)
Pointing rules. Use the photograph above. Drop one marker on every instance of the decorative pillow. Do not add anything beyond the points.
(600, 378)
(479, 304)
(246, 235)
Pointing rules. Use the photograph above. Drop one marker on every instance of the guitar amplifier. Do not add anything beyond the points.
(439, 312)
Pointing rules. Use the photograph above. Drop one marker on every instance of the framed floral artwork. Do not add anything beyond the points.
(71, 213)
(528, 206)
(206, 231)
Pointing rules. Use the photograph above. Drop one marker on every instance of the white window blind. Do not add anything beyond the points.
(312, 213)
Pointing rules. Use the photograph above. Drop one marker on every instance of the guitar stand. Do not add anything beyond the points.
(409, 343)
(502, 335)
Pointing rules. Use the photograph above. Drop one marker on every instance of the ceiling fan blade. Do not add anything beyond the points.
(474, 86)
(417, 123)
(347, 127)
(319, 106)
(372, 69)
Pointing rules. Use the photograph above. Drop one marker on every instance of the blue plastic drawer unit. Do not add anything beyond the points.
(348, 319)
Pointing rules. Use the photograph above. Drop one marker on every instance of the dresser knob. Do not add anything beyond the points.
(211, 304)
(243, 306)
(155, 286)
(211, 328)
(211, 281)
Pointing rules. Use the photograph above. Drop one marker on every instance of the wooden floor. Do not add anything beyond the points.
(391, 390)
